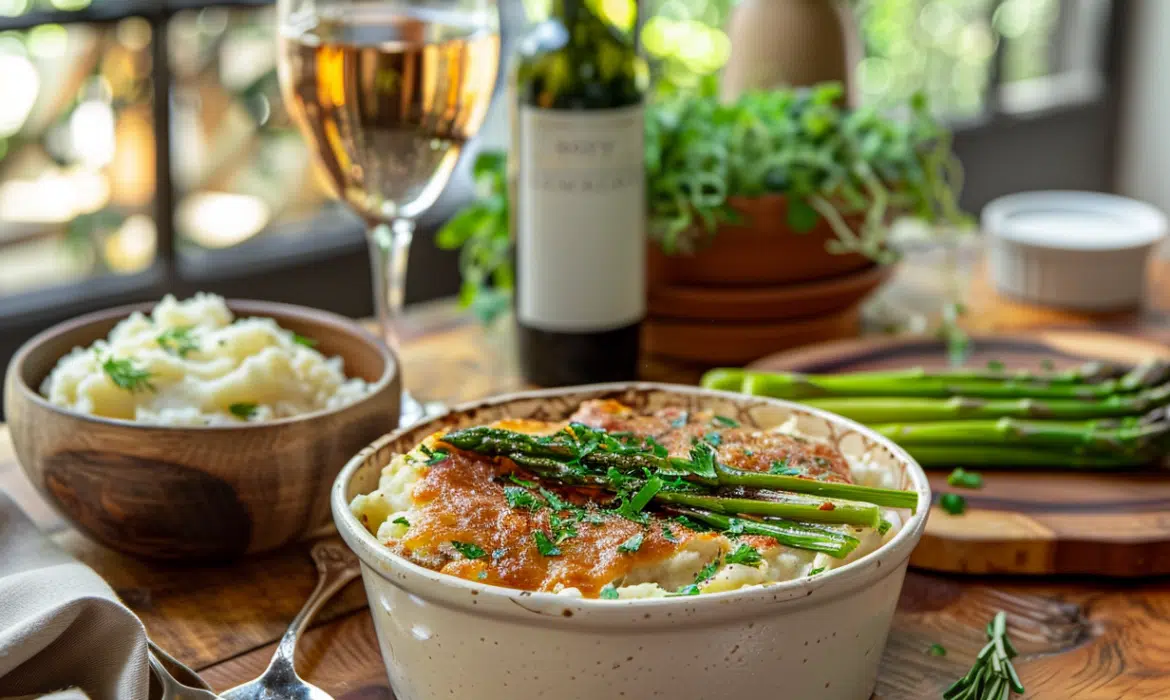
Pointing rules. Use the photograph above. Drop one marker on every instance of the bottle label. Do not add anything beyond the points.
(581, 219)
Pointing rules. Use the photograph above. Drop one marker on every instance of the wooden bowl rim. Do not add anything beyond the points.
(245, 308)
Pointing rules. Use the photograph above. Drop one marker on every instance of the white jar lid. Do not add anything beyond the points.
(1083, 250)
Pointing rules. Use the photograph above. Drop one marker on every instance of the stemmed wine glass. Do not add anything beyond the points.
(387, 92)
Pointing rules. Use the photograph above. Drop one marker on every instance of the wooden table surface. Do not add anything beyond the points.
(1080, 639)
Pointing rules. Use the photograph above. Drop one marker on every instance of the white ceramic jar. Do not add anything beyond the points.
(1075, 250)
(815, 638)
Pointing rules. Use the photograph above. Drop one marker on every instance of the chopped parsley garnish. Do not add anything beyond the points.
(681, 420)
(953, 503)
(884, 526)
(469, 550)
(243, 410)
(735, 526)
(634, 505)
(709, 570)
(746, 555)
(936, 649)
(522, 482)
(666, 533)
(126, 376)
(554, 501)
(562, 528)
(520, 497)
(433, 456)
(482, 576)
(544, 545)
(995, 365)
(689, 589)
(401, 521)
(703, 460)
(781, 467)
(818, 570)
(177, 341)
(714, 438)
(725, 421)
(304, 340)
(631, 545)
(608, 592)
(962, 479)
(656, 447)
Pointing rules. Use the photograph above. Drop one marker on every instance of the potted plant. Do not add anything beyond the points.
(773, 188)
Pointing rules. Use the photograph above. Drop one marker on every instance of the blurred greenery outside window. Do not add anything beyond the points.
(77, 139)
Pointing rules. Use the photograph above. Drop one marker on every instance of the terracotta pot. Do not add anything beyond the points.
(763, 250)
(782, 43)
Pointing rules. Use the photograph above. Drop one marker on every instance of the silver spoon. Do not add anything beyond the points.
(336, 567)
(173, 689)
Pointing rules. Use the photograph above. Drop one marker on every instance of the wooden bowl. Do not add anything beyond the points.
(761, 251)
(211, 492)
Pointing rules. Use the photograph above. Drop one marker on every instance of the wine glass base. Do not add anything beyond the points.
(413, 411)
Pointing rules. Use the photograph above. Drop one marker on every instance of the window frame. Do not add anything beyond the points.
(275, 266)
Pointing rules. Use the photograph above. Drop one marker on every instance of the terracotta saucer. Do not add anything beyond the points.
(768, 303)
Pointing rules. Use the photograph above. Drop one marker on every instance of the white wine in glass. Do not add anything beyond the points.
(388, 94)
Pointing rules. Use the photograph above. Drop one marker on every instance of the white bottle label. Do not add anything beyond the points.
(581, 219)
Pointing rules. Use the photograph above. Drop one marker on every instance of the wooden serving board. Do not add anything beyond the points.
(1035, 522)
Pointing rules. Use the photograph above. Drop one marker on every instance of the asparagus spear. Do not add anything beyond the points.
(1148, 435)
(921, 383)
(789, 507)
(948, 456)
(554, 459)
(911, 409)
(792, 534)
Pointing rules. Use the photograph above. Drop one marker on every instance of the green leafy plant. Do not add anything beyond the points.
(853, 169)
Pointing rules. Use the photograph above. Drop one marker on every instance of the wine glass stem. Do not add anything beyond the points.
(389, 250)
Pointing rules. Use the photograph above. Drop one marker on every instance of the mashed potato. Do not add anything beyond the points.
(192, 363)
(399, 505)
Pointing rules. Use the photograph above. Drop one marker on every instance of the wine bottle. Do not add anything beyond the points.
(580, 202)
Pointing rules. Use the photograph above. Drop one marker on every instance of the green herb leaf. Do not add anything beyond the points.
(521, 498)
(522, 482)
(953, 503)
(177, 341)
(709, 570)
(554, 501)
(469, 550)
(641, 499)
(544, 545)
(657, 448)
(434, 456)
(126, 376)
(781, 467)
(884, 526)
(400, 520)
(608, 592)
(937, 650)
(735, 526)
(703, 460)
(243, 410)
(668, 535)
(818, 570)
(714, 438)
(631, 545)
(303, 340)
(746, 555)
(725, 421)
(689, 589)
(959, 478)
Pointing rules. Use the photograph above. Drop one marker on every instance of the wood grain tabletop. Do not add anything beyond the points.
(1080, 639)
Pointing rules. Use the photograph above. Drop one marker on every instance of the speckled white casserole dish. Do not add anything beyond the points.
(811, 638)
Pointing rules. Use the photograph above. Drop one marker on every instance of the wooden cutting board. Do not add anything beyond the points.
(1115, 524)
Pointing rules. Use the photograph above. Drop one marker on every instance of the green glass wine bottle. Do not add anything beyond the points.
(579, 215)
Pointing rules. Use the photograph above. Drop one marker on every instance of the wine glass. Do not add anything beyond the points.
(387, 93)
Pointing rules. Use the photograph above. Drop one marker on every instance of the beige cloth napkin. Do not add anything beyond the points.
(61, 625)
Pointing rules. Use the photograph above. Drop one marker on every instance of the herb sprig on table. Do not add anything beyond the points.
(992, 677)
(831, 163)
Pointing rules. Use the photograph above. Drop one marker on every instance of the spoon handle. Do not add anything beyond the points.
(336, 567)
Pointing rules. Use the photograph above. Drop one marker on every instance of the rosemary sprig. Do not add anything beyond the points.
(992, 677)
